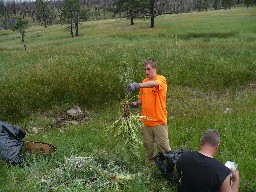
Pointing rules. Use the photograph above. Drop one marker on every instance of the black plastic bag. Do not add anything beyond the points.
(166, 163)
(11, 144)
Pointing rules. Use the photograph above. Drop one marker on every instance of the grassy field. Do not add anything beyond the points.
(208, 58)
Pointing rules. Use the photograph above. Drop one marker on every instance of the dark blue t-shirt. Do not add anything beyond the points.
(199, 173)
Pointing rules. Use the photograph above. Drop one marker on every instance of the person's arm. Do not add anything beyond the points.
(134, 86)
(148, 84)
(227, 186)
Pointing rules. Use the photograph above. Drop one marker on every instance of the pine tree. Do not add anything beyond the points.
(44, 13)
(21, 26)
(133, 8)
(70, 14)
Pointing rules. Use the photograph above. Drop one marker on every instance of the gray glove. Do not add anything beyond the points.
(132, 87)
(134, 104)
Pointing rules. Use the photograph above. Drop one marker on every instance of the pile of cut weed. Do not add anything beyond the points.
(79, 166)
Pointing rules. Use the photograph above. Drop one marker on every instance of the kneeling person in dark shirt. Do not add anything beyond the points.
(200, 172)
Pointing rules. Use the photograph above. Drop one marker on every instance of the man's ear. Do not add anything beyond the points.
(217, 146)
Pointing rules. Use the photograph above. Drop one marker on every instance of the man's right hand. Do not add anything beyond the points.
(235, 175)
(132, 87)
(233, 184)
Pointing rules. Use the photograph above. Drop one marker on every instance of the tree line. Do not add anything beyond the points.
(16, 15)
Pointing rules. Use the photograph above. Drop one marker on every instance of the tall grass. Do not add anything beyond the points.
(192, 50)
(209, 61)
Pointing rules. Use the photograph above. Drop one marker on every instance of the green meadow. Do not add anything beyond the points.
(208, 59)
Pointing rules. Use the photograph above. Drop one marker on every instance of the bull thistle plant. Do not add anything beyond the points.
(126, 130)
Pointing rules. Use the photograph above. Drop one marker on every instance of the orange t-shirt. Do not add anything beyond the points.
(154, 102)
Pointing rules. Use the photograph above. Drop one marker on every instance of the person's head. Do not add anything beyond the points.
(210, 137)
(150, 68)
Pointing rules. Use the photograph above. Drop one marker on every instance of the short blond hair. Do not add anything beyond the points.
(211, 137)
(151, 62)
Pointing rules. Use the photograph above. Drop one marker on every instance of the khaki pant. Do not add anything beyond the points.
(158, 134)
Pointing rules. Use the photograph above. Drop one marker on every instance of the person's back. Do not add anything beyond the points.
(200, 173)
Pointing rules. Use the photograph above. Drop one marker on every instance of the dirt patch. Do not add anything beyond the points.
(41, 122)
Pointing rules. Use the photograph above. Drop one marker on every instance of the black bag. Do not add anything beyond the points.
(11, 143)
(166, 163)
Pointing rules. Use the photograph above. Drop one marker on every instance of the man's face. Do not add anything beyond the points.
(150, 71)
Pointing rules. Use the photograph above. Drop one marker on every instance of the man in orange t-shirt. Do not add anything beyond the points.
(152, 98)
